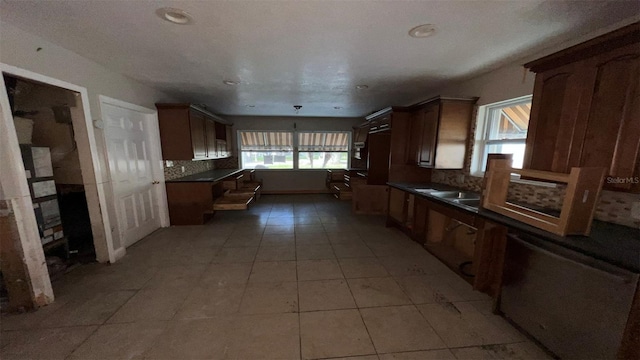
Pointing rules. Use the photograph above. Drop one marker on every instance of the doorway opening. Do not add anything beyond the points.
(44, 117)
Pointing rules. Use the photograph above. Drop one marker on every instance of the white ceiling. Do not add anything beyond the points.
(311, 53)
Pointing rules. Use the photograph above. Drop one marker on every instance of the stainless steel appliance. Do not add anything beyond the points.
(575, 305)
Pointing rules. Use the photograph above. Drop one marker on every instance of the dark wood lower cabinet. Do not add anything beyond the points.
(370, 199)
(191, 203)
(450, 236)
(488, 259)
(470, 245)
(447, 233)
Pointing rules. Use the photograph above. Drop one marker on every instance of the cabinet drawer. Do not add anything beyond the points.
(233, 183)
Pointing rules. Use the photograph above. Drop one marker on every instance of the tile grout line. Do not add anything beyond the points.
(358, 309)
(246, 284)
(295, 254)
(104, 322)
(405, 293)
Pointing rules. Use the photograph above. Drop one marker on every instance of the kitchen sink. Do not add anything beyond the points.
(469, 199)
(456, 195)
(468, 202)
(426, 191)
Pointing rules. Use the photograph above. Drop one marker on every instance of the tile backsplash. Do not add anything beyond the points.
(193, 167)
(613, 206)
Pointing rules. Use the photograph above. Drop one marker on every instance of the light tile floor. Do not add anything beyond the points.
(294, 277)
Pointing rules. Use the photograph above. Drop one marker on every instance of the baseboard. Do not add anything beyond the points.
(293, 192)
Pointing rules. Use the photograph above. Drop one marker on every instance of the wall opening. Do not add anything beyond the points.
(44, 118)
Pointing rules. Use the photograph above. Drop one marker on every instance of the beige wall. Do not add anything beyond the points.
(505, 83)
(29, 52)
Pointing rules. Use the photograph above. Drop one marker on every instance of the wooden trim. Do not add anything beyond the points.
(415, 106)
(16, 279)
(379, 113)
(627, 35)
(193, 107)
(583, 189)
(537, 174)
(629, 348)
(424, 103)
(488, 260)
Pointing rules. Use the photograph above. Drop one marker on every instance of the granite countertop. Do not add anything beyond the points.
(208, 176)
(615, 244)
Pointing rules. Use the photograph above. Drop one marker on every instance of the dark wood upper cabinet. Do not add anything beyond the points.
(614, 117)
(199, 132)
(428, 117)
(586, 109)
(440, 133)
(228, 129)
(190, 133)
(557, 98)
(210, 138)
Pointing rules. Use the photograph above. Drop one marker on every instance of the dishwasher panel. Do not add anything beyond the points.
(575, 305)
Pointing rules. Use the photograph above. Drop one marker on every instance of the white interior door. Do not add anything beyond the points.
(128, 141)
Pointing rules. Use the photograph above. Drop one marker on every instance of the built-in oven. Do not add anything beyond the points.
(575, 305)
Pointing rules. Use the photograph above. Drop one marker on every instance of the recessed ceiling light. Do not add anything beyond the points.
(362, 87)
(231, 82)
(422, 31)
(176, 16)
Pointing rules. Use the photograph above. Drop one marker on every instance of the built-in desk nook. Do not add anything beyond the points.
(194, 199)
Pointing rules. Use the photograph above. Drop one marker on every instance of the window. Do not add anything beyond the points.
(302, 150)
(266, 149)
(502, 128)
(323, 150)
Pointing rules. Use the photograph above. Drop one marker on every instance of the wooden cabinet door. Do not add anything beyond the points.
(210, 136)
(198, 138)
(415, 137)
(558, 97)
(378, 164)
(612, 136)
(175, 133)
(397, 204)
(401, 124)
(430, 116)
(420, 212)
(229, 132)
